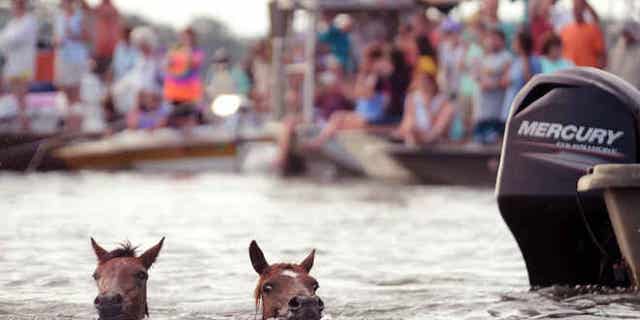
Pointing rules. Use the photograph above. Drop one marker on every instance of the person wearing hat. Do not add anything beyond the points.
(18, 46)
(624, 59)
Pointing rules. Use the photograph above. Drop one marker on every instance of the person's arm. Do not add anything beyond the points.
(505, 78)
(132, 119)
(599, 46)
(365, 86)
(442, 122)
(592, 12)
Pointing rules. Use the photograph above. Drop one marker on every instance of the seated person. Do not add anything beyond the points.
(150, 113)
(372, 93)
(428, 113)
(552, 59)
(331, 97)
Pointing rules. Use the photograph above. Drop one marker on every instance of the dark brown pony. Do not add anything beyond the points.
(121, 277)
(286, 290)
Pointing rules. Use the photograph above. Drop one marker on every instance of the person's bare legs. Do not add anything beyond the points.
(19, 89)
(74, 120)
(290, 123)
(407, 124)
(340, 120)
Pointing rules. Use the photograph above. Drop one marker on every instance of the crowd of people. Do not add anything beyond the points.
(443, 79)
(141, 81)
(437, 79)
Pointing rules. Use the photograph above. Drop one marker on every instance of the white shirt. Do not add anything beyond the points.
(18, 44)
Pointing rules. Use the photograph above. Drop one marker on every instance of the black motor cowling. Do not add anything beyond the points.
(560, 126)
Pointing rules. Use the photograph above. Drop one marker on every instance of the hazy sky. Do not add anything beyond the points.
(250, 17)
(244, 17)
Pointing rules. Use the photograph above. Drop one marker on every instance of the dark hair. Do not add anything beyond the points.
(124, 251)
(550, 41)
(375, 53)
(189, 31)
(126, 32)
(525, 40)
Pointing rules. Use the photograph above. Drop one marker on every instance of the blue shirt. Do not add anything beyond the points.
(124, 59)
(340, 45)
(551, 66)
(516, 74)
(68, 29)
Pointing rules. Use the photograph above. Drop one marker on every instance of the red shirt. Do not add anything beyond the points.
(107, 30)
(541, 27)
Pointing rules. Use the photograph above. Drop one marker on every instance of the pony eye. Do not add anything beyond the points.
(267, 288)
(142, 275)
(316, 286)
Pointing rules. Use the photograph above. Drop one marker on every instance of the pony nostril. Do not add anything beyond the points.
(108, 300)
(294, 303)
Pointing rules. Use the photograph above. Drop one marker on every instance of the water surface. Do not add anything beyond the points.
(384, 252)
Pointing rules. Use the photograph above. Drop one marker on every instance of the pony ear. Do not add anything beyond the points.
(258, 261)
(307, 263)
(98, 250)
(149, 256)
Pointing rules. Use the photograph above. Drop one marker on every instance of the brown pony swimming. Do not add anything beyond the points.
(286, 290)
(121, 277)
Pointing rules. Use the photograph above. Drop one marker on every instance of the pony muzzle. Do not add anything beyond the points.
(109, 306)
(305, 308)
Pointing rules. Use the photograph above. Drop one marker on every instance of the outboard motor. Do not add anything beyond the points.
(561, 125)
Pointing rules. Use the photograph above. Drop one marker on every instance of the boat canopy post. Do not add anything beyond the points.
(310, 65)
(279, 12)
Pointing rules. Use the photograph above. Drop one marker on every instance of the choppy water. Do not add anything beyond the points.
(384, 252)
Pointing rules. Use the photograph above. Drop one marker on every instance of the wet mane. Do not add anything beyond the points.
(126, 250)
(274, 269)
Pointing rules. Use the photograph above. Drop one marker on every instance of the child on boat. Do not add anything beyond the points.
(150, 113)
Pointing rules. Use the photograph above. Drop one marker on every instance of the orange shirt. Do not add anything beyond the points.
(583, 44)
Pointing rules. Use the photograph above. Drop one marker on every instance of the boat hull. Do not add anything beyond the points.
(450, 165)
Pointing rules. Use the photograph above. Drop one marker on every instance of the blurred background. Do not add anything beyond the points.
(368, 129)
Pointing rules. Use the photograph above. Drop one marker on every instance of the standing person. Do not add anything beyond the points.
(552, 59)
(72, 53)
(489, 15)
(451, 58)
(106, 24)
(183, 81)
(260, 71)
(583, 40)
(489, 124)
(18, 45)
(625, 56)
(125, 55)
(522, 69)
(474, 52)
(541, 25)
